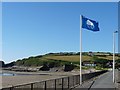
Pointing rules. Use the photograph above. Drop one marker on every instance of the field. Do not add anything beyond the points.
(73, 58)
(109, 57)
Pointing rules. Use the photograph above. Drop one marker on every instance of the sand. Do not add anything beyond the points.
(8, 81)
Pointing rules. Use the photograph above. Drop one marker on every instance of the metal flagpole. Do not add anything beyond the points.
(80, 49)
(113, 56)
(96, 28)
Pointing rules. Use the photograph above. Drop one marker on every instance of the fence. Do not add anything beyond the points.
(65, 83)
(118, 79)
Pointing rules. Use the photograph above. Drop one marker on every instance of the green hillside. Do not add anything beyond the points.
(59, 59)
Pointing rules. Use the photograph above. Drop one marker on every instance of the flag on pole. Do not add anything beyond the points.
(89, 24)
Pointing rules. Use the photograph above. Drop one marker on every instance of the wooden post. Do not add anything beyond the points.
(68, 82)
(62, 83)
(55, 84)
(45, 85)
(31, 86)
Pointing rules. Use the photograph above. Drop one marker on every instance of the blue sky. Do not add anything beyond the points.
(31, 29)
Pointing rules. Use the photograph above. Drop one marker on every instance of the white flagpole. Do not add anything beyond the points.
(113, 56)
(80, 49)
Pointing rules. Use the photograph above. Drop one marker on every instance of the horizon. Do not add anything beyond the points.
(37, 28)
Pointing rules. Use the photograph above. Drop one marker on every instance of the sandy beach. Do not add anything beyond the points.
(30, 77)
(8, 81)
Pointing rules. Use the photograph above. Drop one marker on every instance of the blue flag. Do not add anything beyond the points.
(89, 24)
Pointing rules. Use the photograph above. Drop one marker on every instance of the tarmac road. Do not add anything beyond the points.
(104, 82)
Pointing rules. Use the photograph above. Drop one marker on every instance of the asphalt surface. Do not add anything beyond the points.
(102, 82)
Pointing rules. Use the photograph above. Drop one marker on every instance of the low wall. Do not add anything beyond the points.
(56, 84)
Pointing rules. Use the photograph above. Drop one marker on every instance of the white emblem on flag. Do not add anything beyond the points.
(90, 24)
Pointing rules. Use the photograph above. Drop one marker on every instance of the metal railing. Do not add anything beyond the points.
(118, 79)
(56, 84)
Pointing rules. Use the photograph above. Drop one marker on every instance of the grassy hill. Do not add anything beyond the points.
(58, 59)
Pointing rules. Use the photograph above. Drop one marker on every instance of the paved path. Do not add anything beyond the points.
(102, 82)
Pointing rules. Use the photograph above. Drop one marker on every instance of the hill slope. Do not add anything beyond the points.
(58, 59)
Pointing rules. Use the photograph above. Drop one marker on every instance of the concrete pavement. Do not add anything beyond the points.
(102, 82)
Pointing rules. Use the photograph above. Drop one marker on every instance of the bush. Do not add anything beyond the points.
(69, 67)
